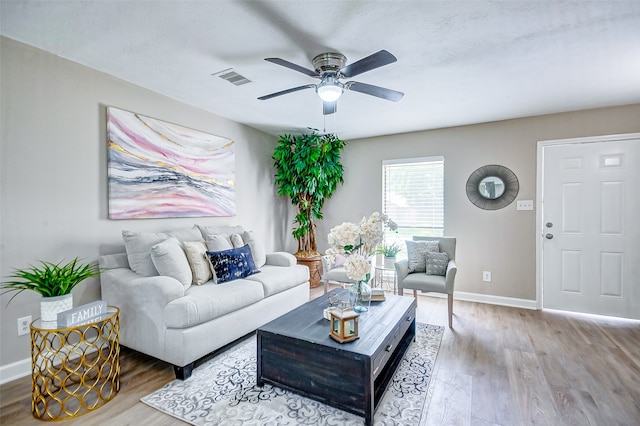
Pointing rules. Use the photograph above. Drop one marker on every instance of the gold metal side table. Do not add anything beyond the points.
(75, 369)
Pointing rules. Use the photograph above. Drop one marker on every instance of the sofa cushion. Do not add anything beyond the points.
(425, 282)
(436, 263)
(416, 254)
(218, 242)
(138, 246)
(340, 259)
(258, 250)
(169, 260)
(338, 274)
(277, 278)
(232, 264)
(196, 252)
(219, 230)
(204, 303)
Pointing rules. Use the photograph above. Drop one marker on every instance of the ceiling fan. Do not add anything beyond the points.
(330, 68)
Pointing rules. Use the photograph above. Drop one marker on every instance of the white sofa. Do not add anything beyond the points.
(169, 316)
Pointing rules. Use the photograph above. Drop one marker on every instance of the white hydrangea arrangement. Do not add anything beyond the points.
(358, 242)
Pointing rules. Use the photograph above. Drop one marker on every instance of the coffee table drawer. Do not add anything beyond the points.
(391, 343)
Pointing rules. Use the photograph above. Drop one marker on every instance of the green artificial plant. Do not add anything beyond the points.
(389, 250)
(49, 279)
(308, 171)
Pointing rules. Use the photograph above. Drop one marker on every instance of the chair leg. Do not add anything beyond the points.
(450, 300)
(415, 296)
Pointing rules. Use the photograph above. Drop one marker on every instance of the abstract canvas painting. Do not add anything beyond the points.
(158, 169)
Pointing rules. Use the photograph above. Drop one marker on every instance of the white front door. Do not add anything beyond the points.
(590, 226)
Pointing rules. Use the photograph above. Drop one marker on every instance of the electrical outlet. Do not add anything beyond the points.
(486, 276)
(23, 325)
(524, 205)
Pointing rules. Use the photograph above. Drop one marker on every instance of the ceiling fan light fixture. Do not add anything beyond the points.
(329, 93)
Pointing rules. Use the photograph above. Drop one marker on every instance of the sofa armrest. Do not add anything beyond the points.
(120, 285)
(450, 275)
(141, 301)
(402, 270)
(113, 261)
(281, 258)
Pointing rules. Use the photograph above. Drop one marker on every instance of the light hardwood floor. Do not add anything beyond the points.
(498, 366)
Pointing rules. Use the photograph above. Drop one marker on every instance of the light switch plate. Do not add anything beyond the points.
(524, 205)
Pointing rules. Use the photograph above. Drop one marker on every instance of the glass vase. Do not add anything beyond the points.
(360, 296)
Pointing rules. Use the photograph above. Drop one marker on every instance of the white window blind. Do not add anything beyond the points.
(414, 195)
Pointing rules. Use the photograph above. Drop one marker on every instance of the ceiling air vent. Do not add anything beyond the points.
(232, 77)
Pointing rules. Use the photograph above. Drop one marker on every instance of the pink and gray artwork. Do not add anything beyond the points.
(158, 169)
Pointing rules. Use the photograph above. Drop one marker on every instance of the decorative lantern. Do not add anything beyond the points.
(344, 324)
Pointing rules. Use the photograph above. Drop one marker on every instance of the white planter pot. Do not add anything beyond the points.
(389, 262)
(50, 306)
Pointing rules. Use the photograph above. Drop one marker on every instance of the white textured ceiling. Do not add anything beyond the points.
(459, 62)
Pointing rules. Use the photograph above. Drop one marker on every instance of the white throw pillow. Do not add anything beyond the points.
(138, 246)
(416, 254)
(196, 252)
(218, 242)
(236, 240)
(170, 260)
(258, 251)
(186, 234)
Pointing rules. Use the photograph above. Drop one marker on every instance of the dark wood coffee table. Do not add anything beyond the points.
(296, 353)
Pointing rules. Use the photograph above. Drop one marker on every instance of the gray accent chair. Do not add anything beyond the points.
(431, 283)
(332, 273)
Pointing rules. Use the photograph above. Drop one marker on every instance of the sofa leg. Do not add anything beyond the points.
(183, 373)
(415, 296)
(450, 297)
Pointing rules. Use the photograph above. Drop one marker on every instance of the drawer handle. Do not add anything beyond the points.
(388, 348)
(409, 318)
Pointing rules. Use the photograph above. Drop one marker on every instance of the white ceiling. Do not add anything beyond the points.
(459, 62)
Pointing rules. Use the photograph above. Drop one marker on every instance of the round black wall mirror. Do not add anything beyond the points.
(492, 187)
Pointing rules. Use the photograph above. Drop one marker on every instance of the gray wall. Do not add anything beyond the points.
(53, 173)
(501, 241)
(53, 188)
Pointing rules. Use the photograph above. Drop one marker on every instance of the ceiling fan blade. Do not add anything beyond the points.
(376, 60)
(329, 107)
(284, 92)
(293, 66)
(369, 89)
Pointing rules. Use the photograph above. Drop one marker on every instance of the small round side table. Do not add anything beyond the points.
(380, 271)
(75, 369)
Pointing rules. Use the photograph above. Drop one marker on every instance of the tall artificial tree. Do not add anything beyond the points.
(308, 171)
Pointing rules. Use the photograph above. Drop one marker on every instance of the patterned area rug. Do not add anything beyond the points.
(222, 391)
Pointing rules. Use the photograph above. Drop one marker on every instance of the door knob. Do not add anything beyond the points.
(548, 236)
(549, 225)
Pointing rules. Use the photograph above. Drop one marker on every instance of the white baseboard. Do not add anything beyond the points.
(15, 370)
(488, 299)
(495, 300)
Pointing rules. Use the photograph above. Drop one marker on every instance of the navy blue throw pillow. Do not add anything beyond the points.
(232, 264)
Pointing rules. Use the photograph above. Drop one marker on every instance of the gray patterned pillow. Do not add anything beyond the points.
(416, 252)
(436, 263)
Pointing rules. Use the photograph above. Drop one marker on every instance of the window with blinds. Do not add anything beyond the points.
(413, 195)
